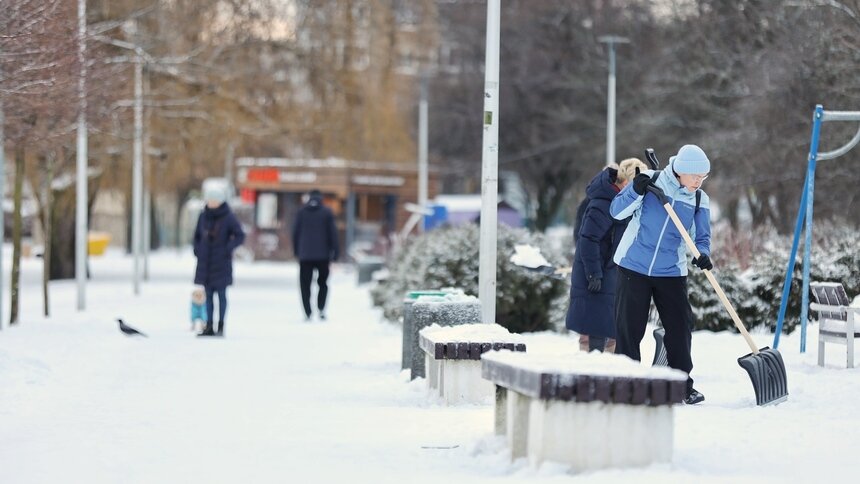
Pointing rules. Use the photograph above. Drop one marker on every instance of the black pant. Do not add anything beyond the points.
(210, 306)
(306, 274)
(632, 302)
(596, 343)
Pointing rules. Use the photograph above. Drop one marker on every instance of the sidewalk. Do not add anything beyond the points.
(282, 400)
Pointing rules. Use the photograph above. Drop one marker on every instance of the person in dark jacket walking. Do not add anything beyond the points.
(217, 235)
(315, 245)
(592, 281)
(653, 258)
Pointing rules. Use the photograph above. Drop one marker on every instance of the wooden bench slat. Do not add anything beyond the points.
(474, 351)
(622, 390)
(640, 391)
(602, 390)
(659, 393)
(463, 351)
(584, 388)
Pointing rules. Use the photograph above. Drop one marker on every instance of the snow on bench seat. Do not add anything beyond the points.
(586, 410)
(452, 357)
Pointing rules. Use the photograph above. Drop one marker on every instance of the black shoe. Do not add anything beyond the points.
(322, 316)
(207, 331)
(693, 397)
(220, 331)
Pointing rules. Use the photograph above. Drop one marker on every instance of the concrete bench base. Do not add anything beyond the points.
(603, 419)
(458, 381)
(597, 435)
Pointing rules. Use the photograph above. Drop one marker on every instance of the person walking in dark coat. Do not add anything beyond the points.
(315, 245)
(592, 281)
(217, 235)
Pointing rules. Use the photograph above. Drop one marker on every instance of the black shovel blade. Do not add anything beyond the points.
(767, 372)
(661, 358)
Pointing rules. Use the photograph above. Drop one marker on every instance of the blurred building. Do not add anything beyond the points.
(368, 199)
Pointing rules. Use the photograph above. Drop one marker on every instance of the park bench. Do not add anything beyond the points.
(452, 359)
(838, 321)
(588, 411)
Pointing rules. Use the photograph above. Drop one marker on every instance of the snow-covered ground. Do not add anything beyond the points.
(282, 400)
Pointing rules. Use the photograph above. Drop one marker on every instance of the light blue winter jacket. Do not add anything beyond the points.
(652, 245)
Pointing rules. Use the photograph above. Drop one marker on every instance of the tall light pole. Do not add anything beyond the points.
(140, 56)
(137, 168)
(422, 148)
(81, 194)
(2, 197)
(490, 168)
(611, 40)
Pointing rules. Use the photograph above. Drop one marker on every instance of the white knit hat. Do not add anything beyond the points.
(690, 160)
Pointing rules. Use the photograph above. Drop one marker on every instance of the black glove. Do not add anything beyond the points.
(640, 183)
(703, 262)
(594, 283)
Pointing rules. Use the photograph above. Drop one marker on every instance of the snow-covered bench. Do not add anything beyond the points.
(838, 321)
(589, 411)
(452, 359)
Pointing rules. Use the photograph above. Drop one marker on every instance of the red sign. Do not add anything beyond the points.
(263, 175)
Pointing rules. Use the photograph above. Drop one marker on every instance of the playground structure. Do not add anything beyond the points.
(804, 213)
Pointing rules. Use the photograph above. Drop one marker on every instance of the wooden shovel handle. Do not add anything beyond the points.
(692, 246)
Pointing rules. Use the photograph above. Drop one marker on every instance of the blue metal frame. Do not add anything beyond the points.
(805, 209)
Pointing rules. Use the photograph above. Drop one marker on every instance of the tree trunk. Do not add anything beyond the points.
(63, 231)
(47, 229)
(17, 229)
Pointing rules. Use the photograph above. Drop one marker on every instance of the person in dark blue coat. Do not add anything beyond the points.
(315, 245)
(592, 288)
(217, 235)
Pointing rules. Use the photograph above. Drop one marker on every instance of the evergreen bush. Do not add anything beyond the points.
(448, 257)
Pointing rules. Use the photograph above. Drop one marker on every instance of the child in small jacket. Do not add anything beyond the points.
(198, 309)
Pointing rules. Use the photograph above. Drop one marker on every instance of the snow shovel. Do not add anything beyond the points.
(552, 271)
(765, 366)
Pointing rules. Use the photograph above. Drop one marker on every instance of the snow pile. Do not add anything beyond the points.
(856, 302)
(581, 363)
(528, 256)
(458, 297)
(472, 333)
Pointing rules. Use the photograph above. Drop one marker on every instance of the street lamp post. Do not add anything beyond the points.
(490, 168)
(611, 40)
(422, 148)
(137, 168)
(140, 56)
(81, 185)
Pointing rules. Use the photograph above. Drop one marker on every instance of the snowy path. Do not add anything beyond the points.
(281, 400)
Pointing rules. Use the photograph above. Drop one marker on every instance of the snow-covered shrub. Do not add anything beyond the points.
(708, 312)
(448, 257)
(750, 267)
